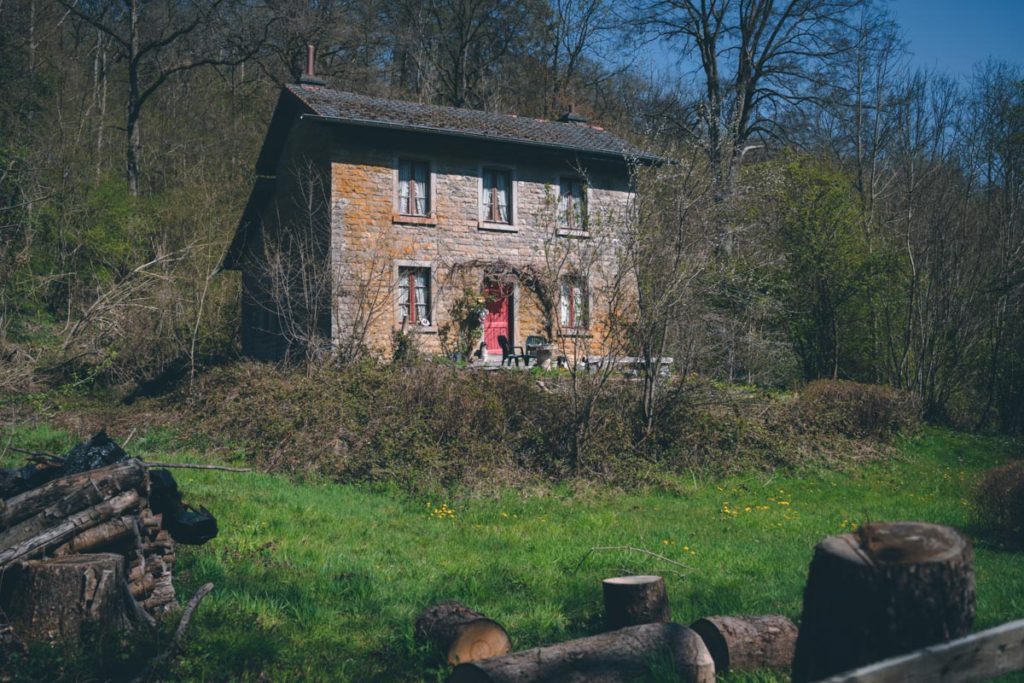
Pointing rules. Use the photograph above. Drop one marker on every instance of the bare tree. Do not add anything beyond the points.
(157, 40)
(756, 58)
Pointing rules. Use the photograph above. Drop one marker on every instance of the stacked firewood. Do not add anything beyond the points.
(84, 544)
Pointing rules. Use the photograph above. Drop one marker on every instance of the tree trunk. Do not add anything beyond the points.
(634, 600)
(889, 589)
(462, 634)
(71, 493)
(629, 654)
(66, 597)
(749, 643)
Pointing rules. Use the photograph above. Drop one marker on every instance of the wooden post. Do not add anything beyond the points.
(634, 600)
(629, 654)
(888, 589)
(749, 643)
(462, 634)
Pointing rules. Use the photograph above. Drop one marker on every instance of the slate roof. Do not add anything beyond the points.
(345, 107)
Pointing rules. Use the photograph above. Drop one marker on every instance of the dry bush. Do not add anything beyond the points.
(999, 500)
(857, 410)
(427, 426)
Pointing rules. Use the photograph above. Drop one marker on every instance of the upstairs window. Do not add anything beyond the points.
(573, 303)
(414, 295)
(497, 196)
(413, 187)
(572, 204)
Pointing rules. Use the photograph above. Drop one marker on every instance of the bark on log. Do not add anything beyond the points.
(749, 643)
(634, 600)
(461, 634)
(72, 493)
(73, 525)
(98, 536)
(887, 590)
(628, 654)
(63, 598)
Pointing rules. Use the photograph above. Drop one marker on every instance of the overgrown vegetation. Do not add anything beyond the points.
(433, 427)
(999, 500)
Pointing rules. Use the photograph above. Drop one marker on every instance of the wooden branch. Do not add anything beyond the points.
(978, 657)
(179, 633)
(628, 548)
(193, 466)
(71, 526)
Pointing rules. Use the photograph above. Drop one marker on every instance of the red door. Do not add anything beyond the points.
(499, 316)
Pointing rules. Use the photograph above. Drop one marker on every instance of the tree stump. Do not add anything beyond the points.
(462, 634)
(65, 597)
(629, 654)
(634, 600)
(749, 643)
(887, 590)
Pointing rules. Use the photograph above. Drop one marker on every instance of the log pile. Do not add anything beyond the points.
(80, 542)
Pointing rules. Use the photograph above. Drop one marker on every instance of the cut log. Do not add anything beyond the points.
(749, 643)
(73, 493)
(634, 600)
(887, 590)
(98, 536)
(64, 597)
(629, 654)
(63, 531)
(461, 634)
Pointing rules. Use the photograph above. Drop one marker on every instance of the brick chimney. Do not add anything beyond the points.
(309, 77)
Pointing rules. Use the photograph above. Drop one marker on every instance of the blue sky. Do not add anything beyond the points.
(949, 36)
(954, 35)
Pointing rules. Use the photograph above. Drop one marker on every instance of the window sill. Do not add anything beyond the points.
(580, 333)
(403, 219)
(496, 227)
(418, 329)
(566, 232)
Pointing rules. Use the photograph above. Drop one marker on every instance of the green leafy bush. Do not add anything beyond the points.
(857, 410)
(999, 500)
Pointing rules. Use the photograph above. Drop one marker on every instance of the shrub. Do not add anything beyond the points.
(999, 500)
(857, 410)
(430, 426)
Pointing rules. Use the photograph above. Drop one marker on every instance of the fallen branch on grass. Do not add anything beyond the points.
(628, 548)
(179, 633)
(193, 466)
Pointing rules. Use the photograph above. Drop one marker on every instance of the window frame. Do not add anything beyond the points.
(399, 214)
(483, 219)
(407, 269)
(565, 227)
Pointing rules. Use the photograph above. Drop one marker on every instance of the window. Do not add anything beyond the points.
(572, 204)
(413, 187)
(414, 295)
(497, 199)
(573, 304)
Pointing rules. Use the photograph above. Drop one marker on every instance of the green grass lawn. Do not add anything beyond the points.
(319, 581)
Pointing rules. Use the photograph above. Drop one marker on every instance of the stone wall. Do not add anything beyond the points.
(370, 240)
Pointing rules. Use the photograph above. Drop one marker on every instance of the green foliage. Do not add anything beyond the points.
(465, 314)
(828, 269)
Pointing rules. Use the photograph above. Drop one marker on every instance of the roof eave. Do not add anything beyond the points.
(371, 123)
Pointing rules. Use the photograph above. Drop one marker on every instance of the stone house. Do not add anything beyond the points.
(373, 218)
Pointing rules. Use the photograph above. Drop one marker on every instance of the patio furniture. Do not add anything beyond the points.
(534, 342)
(508, 352)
